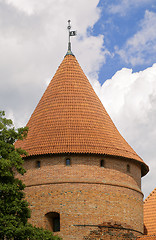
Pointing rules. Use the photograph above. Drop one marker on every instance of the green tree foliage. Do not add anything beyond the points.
(14, 211)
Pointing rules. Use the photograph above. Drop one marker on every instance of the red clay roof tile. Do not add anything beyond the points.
(71, 118)
(150, 213)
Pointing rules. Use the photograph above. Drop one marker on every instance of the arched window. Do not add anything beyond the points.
(102, 163)
(38, 164)
(68, 162)
(128, 168)
(53, 221)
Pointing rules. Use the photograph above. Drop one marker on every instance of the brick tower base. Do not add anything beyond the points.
(112, 231)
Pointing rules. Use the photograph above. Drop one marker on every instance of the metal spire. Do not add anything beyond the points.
(71, 34)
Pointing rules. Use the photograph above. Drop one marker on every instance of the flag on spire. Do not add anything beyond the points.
(71, 34)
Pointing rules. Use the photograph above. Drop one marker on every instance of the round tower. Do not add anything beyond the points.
(81, 172)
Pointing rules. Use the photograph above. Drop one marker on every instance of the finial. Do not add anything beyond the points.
(71, 34)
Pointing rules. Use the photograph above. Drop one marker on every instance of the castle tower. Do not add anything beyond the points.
(80, 171)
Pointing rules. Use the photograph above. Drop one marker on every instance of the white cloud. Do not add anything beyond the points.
(124, 6)
(91, 54)
(33, 42)
(141, 48)
(82, 13)
(130, 99)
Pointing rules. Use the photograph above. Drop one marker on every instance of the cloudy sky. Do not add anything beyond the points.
(115, 45)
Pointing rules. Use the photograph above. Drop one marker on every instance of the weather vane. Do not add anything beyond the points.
(71, 34)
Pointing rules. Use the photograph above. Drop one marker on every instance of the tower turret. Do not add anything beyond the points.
(80, 171)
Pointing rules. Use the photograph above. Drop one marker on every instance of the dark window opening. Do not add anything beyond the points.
(53, 221)
(128, 168)
(56, 224)
(102, 163)
(68, 163)
(38, 164)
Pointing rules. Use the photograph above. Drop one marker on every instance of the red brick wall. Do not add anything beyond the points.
(113, 230)
(84, 193)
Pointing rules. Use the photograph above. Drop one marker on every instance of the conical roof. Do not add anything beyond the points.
(70, 118)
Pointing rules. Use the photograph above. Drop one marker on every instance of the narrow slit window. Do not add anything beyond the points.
(102, 163)
(68, 162)
(38, 164)
(128, 168)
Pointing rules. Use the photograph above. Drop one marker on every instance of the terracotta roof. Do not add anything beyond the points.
(70, 118)
(148, 237)
(150, 213)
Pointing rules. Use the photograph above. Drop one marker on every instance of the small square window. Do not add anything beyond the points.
(68, 162)
(102, 163)
(38, 164)
(128, 168)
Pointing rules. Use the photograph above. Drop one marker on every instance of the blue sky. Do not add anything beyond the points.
(115, 46)
(117, 28)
